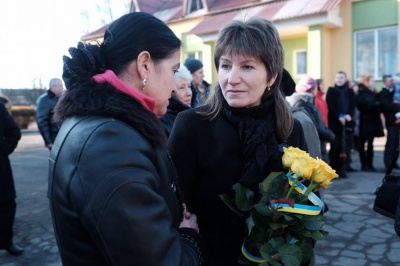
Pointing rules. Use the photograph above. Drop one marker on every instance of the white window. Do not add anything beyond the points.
(300, 57)
(375, 52)
(194, 5)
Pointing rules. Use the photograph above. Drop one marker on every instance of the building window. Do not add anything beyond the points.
(375, 52)
(194, 5)
(300, 62)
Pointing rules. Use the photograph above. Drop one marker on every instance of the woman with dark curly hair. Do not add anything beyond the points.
(112, 187)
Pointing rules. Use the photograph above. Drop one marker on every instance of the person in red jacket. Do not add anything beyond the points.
(320, 101)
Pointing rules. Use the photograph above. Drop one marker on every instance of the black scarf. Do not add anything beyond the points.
(256, 127)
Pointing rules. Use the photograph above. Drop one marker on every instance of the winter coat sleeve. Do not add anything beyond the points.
(125, 213)
(11, 134)
(331, 100)
(386, 102)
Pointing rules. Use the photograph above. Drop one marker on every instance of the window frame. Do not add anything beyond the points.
(377, 44)
(295, 59)
(198, 3)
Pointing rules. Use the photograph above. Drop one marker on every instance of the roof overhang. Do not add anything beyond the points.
(289, 18)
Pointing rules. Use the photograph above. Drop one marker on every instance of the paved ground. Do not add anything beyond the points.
(358, 236)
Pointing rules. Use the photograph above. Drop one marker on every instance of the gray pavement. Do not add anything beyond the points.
(357, 235)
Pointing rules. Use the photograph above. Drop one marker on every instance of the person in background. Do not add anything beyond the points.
(10, 135)
(288, 87)
(322, 106)
(304, 97)
(370, 127)
(341, 106)
(320, 102)
(236, 135)
(200, 87)
(113, 194)
(45, 104)
(181, 98)
(355, 140)
(389, 107)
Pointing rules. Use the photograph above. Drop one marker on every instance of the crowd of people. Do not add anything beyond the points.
(145, 146)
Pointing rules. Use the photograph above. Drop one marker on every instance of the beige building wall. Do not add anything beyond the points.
(341, 46)
(180, 29)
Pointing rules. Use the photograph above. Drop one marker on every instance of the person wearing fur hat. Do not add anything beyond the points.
(200, 87)
(304, 96)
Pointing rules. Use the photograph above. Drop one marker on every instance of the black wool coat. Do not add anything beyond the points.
(370, 113)
(333, 101)
(208, 158)
(10, 134)
(388, 107)
(174, 108)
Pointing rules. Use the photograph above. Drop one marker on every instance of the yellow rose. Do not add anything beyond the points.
(323, 174)
(326, 183)
(290, 154)
(304, 166)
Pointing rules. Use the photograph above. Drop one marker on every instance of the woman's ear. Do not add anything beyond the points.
(272, 80)
(143, 64)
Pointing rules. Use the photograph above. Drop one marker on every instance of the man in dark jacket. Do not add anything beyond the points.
(341, 107)
(9, 137)
(44, 112)
(389, 109)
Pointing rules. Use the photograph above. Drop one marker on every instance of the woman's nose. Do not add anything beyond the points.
(234, 76)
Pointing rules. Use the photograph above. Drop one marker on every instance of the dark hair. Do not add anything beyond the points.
(319, 81)
(386, 77)
(123, 41)
(257, 38)
(342, 72)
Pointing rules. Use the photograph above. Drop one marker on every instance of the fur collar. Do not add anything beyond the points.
(104, 100)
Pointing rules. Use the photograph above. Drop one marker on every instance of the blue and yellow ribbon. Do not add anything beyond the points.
(300, 208)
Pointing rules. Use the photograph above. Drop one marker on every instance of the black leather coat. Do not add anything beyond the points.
(112, 192)
(10, 134)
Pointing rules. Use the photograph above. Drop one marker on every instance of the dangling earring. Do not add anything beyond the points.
(269, 88)
(144, 83)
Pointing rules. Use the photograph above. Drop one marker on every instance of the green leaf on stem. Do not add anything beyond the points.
(244, 197)
(266, 252)
(290, 254)
(230, 203)
(306, 251)
(313, 222)
(264, 209)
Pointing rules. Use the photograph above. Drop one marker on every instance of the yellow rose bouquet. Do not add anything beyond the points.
(285, 220)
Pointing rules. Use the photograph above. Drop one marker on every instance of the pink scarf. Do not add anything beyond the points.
(109, 77)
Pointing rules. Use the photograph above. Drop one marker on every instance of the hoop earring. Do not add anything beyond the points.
(144, 83)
